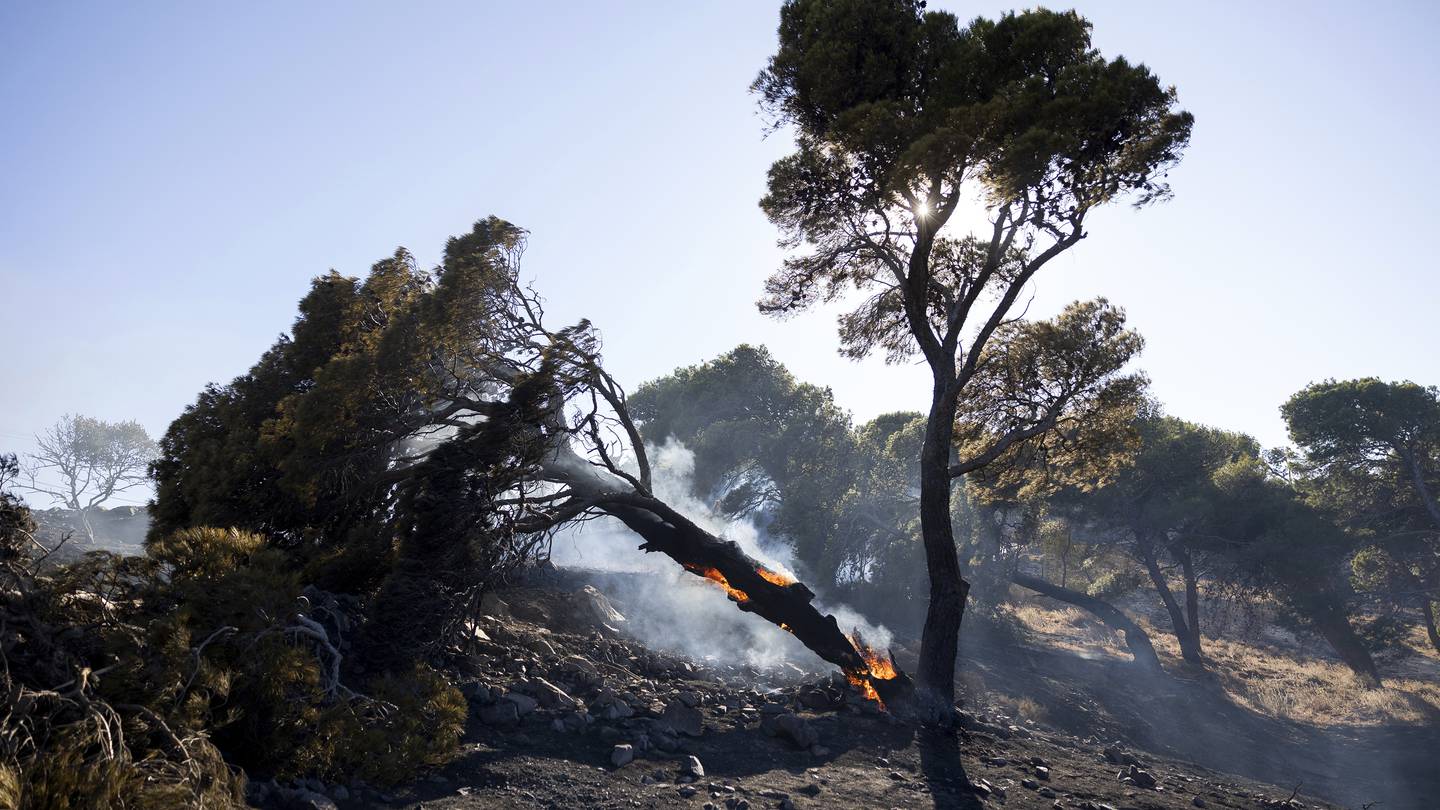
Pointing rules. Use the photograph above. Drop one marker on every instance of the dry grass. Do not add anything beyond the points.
(1265, 668)
(1316, 691)
(1070, 629)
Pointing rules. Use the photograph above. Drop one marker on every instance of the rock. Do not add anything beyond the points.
(622, 755)
(1198, 802)
(1139, 778)
(663, 740)
(819, 751)
(683, 719)
(591, 607)
(897, 776)
(1030, 784)
(691, 699)
(1042, 771)
(579, 664)
(687, 791)
(339, 793)
(476, 692)
(791, 727)
(692, 768)
(503, 713)
(540, 646)
(1047, 792)
(552, 696)
(524, 704)
(609, 705)
(816, 699)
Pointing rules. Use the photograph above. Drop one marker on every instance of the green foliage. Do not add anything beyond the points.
(304, 445)
(1050, 406)
(1372, 461)
(897, 107)
(1115, 582)
(419, 726)
(1386, 632)
(765, 445)
(17, 524)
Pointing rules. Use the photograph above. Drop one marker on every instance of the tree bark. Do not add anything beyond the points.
(1192, 593)
(1334, 626)
(1189, 649)
(1141, 650)
(939, 639)
(1427, 606)
(787, 605)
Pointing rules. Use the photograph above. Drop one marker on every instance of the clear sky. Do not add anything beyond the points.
(172, 174)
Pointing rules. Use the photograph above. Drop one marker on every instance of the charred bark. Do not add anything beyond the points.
(754, 588)
(1141, 650)
(939, 640)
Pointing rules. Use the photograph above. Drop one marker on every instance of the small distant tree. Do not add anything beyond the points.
(903, 118)
(83, 462)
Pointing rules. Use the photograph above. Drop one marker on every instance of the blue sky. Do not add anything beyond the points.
(172, 174)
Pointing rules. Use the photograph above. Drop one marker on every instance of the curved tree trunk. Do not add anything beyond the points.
(1189, 644)
(1141, 650)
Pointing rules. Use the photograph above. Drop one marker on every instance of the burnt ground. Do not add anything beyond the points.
(555, 687)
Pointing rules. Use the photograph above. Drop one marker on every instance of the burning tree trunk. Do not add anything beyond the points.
(771, 595)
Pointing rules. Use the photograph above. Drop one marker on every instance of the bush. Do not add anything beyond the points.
(213, 637)
(1113, 583)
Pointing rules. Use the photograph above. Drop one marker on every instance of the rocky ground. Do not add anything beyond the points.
(568, 712)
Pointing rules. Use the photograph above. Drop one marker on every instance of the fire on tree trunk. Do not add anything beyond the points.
(755, 589)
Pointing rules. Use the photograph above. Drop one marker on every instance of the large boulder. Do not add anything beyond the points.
(589, 606)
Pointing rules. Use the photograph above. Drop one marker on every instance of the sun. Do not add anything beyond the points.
(922, 209)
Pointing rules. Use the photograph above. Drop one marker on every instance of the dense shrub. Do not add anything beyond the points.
(181, 668)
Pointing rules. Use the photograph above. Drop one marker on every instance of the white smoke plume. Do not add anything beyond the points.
(670, 609)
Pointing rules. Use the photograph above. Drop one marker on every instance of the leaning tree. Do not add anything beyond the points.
(420, 434)
(905, 121)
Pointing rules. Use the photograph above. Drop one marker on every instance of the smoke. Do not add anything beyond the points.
(670, 609)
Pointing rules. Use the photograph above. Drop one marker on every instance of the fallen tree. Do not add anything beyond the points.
(420, 436)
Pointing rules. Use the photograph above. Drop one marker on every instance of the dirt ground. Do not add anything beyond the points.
(1098, 722)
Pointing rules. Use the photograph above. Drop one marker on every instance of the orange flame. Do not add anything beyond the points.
(714, 575)
(774, 577)
(878, 668)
